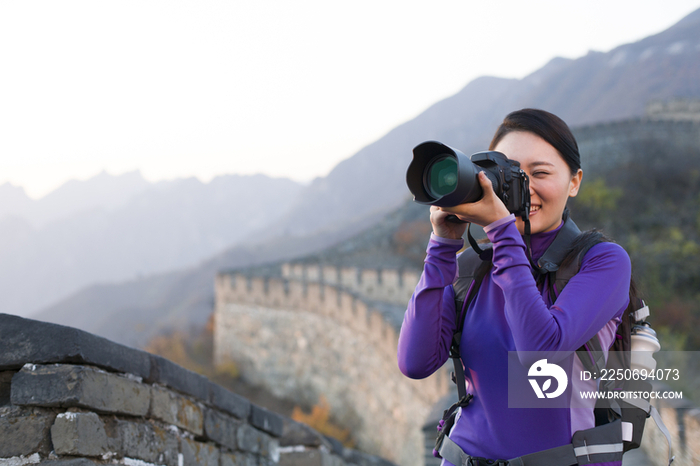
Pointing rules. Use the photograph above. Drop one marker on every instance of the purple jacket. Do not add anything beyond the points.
(510, 313)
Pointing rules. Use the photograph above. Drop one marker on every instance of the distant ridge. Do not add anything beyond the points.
(595, 88)
(115, 228)
(362, 190)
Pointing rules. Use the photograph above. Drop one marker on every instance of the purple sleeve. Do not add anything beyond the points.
(595, 295)
(429, 322)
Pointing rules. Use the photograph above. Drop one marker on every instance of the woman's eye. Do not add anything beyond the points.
(539, 173)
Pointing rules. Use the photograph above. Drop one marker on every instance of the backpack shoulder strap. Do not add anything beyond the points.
(560, 248)
(469, 265)
(572, 258)
(472, 267)
(591, 354)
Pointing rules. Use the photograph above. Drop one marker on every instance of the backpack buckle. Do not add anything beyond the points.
(478, 461)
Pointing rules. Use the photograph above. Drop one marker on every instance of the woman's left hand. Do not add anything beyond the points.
(483, 212)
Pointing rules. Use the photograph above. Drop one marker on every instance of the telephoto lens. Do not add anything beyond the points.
(442, 176)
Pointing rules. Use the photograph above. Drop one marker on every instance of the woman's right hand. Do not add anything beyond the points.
(444, 228)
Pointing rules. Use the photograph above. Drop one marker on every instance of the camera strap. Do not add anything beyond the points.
(472, 242)
(528, 245)
(555, 253)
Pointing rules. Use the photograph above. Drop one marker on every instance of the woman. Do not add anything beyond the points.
(512, 310)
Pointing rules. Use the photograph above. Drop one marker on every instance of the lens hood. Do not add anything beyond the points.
(418, 179)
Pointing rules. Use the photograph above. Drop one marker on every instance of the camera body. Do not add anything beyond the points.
(442, 176)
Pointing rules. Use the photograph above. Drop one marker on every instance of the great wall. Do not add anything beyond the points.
(333, 332)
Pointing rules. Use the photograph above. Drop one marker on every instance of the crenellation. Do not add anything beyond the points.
(349, 277)
(240, 284)
(331, 275)
(287, 270)
(680, 109)
(313, 273)
(391, 278)
(370, 283)
(393, 286)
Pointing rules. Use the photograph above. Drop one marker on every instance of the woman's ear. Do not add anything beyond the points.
(575, 183)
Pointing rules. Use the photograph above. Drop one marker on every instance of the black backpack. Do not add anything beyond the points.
(620, 423)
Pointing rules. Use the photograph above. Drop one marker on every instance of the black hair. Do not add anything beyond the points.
(546, 125)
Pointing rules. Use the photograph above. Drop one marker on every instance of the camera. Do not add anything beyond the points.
(442, 176)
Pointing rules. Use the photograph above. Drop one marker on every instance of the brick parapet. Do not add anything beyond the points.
(342, 305)
(69, 403)
(604, 146)
(385, 285)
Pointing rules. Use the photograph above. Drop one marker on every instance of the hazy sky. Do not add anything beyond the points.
(286, 88)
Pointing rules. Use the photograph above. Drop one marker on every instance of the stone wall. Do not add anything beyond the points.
(306, 339)
(677, 109)
(682, 419)
(385, 285)
(607, 145)
(71, 398)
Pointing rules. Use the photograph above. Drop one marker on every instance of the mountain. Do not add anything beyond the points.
(138, 231)
(134, 311)
(595, 88)
(360, 191)
(102, 191)
(14, 201)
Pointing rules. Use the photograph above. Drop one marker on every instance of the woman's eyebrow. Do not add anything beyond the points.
(536, 164)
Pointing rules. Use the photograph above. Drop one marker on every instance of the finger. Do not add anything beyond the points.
(485, 181)
(437, 215)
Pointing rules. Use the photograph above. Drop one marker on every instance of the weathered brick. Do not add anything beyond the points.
(221, 428)
(268, 421)
(357, 457)
(30, 341)
(80, 386)
(21, 460)
(238, 459)
(267, 462)
(306, 458)
(24, 431)
(143, 440)
(175, 409)
(79, 434)
(69, 462)
(254, 441)
(296, 433)
(337, 447)
(165, 372)
(228, 401)
(5, 384)
(199, 454)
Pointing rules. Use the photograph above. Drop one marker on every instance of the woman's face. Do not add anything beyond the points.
(551, 182)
